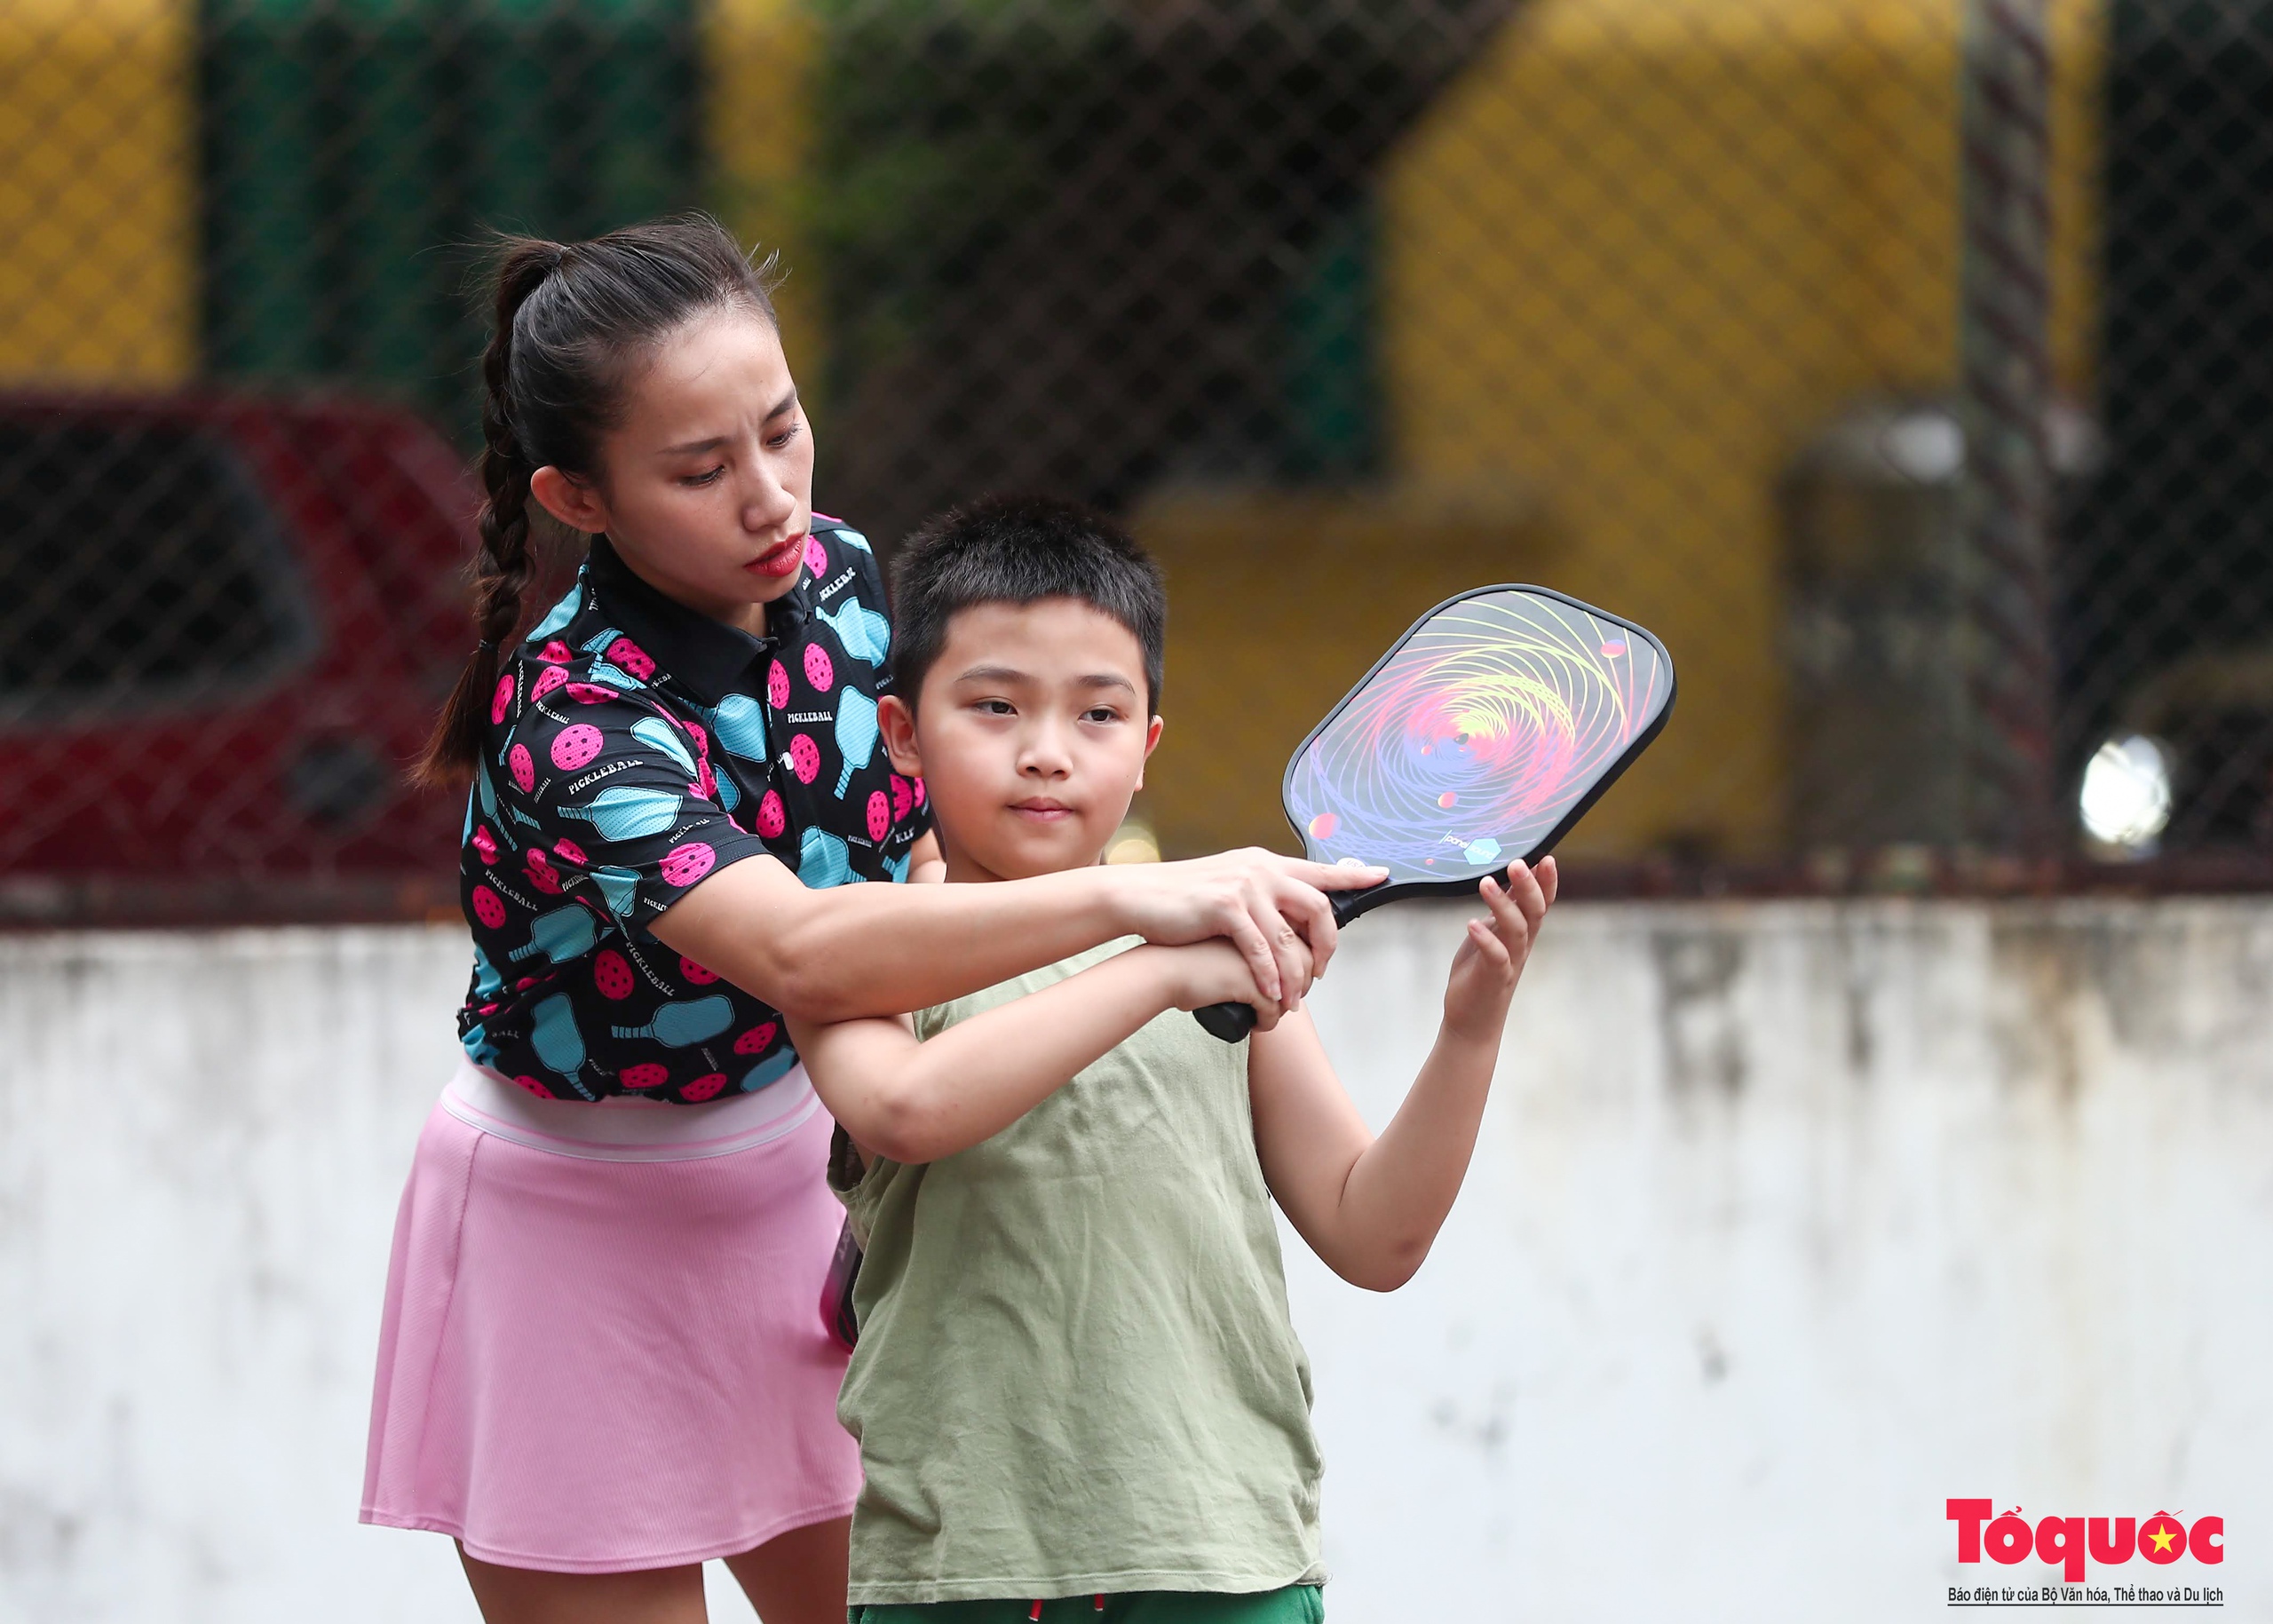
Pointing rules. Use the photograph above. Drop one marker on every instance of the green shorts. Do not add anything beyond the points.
(1295, 1604)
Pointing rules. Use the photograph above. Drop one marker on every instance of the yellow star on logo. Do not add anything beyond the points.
(2160, 1533)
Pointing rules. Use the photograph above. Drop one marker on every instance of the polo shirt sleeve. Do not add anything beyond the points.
(913, 821)
(604, 797)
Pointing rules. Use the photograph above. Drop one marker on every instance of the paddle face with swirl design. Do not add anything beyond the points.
(1480, 738)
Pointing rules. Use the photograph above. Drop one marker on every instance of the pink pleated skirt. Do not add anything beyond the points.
(602, 1348)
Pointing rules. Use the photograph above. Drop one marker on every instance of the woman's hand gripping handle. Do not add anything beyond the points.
(1233, 1021)
(1276, 911)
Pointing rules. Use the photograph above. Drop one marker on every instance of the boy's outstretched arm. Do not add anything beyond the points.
(915, 1102)
(1371, 1208)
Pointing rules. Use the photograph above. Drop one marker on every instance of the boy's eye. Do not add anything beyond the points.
(712, 478)
(995, 708)
(1101, 713)
(785, 436)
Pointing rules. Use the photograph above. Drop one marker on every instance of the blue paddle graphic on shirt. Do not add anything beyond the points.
(657, 734)
(679, 1025)
(856, 734)
(562, 934)
(554, 1038)
(739, 725)
(628, 812)
(774, 1067)
(822, 860)
(557, 617)
(861, 630)
(619, 886)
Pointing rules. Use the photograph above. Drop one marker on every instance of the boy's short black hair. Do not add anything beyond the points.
(1020, 550)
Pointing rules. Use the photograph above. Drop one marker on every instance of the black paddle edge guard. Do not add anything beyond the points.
(1230, 1022)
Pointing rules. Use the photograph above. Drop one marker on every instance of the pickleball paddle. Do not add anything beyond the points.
(1480, 738)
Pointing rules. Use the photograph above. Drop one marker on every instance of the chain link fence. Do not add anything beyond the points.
(1903, 363)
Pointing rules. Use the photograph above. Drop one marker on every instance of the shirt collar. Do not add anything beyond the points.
(704, 656)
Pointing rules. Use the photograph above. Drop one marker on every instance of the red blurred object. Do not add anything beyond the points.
(225, 624)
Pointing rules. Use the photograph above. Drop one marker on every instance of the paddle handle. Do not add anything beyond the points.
(1228, 1021)
(1233, 1021)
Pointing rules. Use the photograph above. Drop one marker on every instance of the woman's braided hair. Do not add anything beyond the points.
(571, 320)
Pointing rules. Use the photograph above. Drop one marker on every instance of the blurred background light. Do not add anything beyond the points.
(2126, 797)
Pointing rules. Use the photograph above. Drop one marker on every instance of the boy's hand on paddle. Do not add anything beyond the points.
(1272, 909)
(1214, 971)
(1491, 957)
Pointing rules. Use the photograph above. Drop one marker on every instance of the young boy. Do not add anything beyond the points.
(1076, 1376)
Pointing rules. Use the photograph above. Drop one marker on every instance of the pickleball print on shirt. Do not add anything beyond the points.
(634, 749)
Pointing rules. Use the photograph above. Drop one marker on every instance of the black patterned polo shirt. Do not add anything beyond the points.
(636, 747)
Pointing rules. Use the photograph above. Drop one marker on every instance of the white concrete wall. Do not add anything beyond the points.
(1789, 1223)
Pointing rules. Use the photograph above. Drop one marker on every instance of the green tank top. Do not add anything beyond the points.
(1076, 1372)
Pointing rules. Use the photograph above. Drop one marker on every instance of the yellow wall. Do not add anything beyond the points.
(759, 56)
(1278, 602)
(1633, 257)
(98, 188)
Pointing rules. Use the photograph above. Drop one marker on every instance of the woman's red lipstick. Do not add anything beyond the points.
(782, 560)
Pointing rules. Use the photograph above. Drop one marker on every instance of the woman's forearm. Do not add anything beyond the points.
(918, 1102)
(862, 950)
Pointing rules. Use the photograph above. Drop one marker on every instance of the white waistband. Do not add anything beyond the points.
(628, 1129)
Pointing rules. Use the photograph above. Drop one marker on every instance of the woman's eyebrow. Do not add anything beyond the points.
(694, 447)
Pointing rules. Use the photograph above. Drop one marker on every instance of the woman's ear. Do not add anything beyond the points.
(896, 721)
(568, 499)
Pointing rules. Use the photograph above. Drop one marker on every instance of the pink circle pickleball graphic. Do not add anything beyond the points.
(523, 766)
(488, 906)
(705, 1087)
(699, 974)
(646, 1074)
(777, 685)
(568, 851)
(524, 983)
(818, 671)
(918, 786)
(501, 701)
(706, 785)
(903, 798)
(625, 652)
(590, 694)
(611, 975)
(816, 555)
(541, 874)
(485, 843)
(753, 1041)
(557, 651)
(879, 815)
(684, 865)
(578, 746)
(552, 677)
(804, 758)
(535, 1087)
(701, 739)
(772, 817)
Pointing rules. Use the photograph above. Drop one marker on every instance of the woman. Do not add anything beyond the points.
(601, 1360)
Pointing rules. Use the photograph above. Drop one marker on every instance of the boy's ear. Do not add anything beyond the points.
(568, 499)
(896, 722)
(1152, 743)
